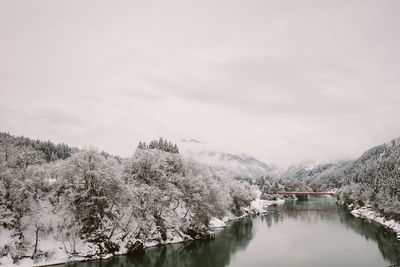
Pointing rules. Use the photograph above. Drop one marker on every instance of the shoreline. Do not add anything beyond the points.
(366, 212)
(256, 207)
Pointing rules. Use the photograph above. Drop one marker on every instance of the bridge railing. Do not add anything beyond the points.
(305, 193)
(306, 189)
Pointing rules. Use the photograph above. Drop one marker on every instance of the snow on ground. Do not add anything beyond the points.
(5, 237)
(60, 256)
(368, 213)
(257, 206)
(173, 236)
(216, 223)
(260, 205)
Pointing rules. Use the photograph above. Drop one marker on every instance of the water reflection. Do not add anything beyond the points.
(387, 242)
(212, 253)
(316, 208)
(315, 232)
(324, 208)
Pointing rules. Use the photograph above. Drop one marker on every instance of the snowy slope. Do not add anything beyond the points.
(227, 164)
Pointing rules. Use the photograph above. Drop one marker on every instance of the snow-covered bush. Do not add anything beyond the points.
(92, 203)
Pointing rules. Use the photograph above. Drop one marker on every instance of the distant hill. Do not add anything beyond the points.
(340, 172)
(373, 178)
(46, 150)
(227, 164)
(318, 173)
(236, 165)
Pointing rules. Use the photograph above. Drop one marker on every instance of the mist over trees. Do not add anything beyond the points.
(372, 179)
(86, 199)
(95, 203)
(161, 144)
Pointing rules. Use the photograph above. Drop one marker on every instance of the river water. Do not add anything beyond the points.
(313, 232)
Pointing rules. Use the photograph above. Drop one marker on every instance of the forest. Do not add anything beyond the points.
(372, 180)
(92, 203)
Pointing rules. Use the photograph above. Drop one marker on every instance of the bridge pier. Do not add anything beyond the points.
(302, 197)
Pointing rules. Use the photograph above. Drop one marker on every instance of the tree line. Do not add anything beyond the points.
(92, 202)
(160, 144)
(372, 179)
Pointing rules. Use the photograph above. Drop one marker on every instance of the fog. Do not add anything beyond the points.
(283, 81)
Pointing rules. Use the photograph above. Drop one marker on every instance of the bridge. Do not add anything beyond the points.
(306, 189)
(305, 193)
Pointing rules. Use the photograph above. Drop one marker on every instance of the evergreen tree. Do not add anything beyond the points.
(141, 146)
(161, 144)
(175, 150)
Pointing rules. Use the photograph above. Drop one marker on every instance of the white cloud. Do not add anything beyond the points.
(283, 81)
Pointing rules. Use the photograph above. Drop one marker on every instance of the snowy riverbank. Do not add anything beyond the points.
(368, 213)
(86, 251)
(257, 206)
(59, 255)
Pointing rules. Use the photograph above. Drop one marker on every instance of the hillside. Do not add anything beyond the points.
(228, 164)
(86, 204)
(45, 151)
(372, 179)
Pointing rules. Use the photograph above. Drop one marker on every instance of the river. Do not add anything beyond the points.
(313, 232)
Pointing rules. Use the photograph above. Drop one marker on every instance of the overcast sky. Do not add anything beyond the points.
(283, 81)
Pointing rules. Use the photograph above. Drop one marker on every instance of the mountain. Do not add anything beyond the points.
(372, 179)
(317, 173)
(339, 172)
(45, 151)
(227, 164)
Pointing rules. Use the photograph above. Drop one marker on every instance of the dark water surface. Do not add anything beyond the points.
(313, 232)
